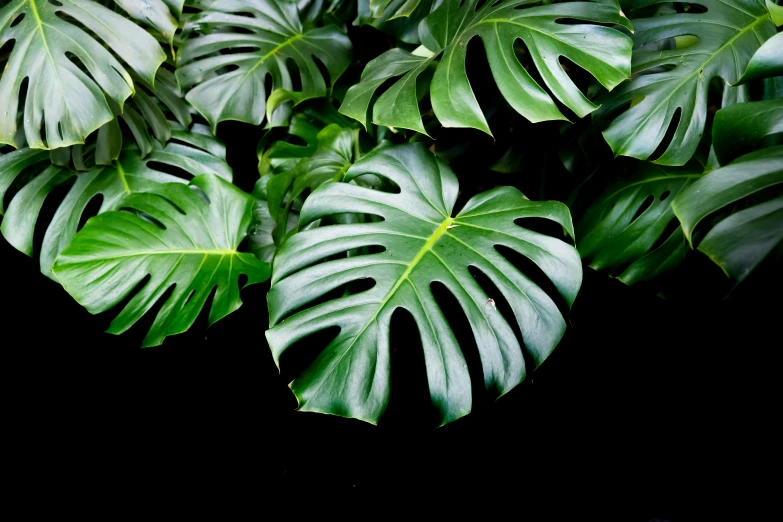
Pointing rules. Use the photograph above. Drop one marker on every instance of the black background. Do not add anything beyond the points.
(649, 408)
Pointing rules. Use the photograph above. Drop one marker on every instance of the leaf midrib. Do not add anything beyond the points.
(427, 247)
(696, 70)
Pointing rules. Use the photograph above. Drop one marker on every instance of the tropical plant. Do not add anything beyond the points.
(420, 157)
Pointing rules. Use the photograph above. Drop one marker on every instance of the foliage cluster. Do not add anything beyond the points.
(456, 159)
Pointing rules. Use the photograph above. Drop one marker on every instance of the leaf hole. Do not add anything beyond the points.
(480, 4)
(501, 306)
(167, 200)
(293, 72)
(242, 280)
(48, 210)
(532, 271)
(17, 21)
(90, 210)
(56, 3)
(146, 217)
(687, 7)
(647, 203)
(323, 70)
(227, 69)
(409, 394)
(463, 332)
(268, 84)
(170, 169)
(578, 21)
(668, 137)
(579, 76)
(671, 227)
(542, 226)
(304, 352)
(665, 195)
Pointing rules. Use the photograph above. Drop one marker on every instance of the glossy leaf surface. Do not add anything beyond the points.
(631, 229)
(602, 51)
(767, 61)
(421, 244)
(192, 153)
(738, 128)
(61, 96)
(740, 242)
(675, 82)
(180, 240)
(225, 85)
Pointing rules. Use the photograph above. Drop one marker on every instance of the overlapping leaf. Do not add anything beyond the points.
(48, 51)
(767, 61)
(674, 82)
(421, 244)
(754, 231)
(178, 238)
(602, 51)
(740, 128)
(193, 153)
(631, 230)
(225, 69)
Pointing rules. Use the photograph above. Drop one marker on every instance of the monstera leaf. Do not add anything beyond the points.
(399, 18)
(391, 9)
(673, 83)
(631, 229)
(231, 85)
(754, 231)
(738, 128)
(422, 244)
(767, 62)
(602, 51)
(194, 153)
(161, 15)
(50, 52)
(179, 239)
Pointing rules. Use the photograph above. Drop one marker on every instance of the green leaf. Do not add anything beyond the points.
(262, 228)
(421, 244)
(195, 153)
(740, 242)
(602, 51)
(676, 80)
(274, 35)
(398, 8)
(155, 13)
(628, 229)
(71, 103)
(399, 18)
(775, 12)
(738, 128)
(329, 162)
(766, 62)
(181, 240)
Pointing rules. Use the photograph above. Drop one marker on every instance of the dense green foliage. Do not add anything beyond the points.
(411, 150)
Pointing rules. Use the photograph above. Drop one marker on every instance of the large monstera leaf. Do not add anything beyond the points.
(754, 231)
(68, 101)
(231, 86)
(422, 244)
(631, 230)
(602, 51)
(675, 81)
(179, 239)
(193, 153)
